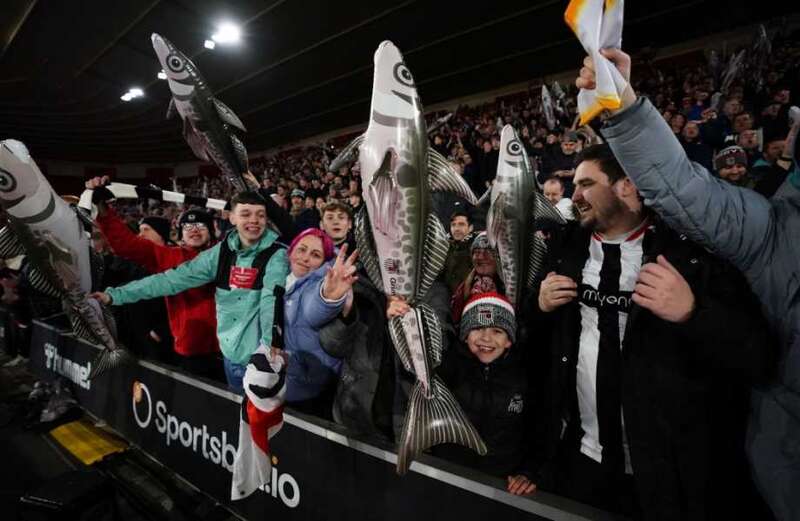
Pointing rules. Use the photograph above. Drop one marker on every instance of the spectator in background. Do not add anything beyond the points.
(731, 165)
(471, 174)
(482, 278)
(303, 217)
(355, 201)
(694, 147)
(554, 192)
(156, 230)
(772, 168)
(309, 202)
(561, 163)
(715, 128)
(337, 223)
(487, 166)
(677, 122)
(458, 262)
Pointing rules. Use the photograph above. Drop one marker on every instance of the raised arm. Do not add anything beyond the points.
(735, 223)
(125, 243)
(122, 240)
(196, 272)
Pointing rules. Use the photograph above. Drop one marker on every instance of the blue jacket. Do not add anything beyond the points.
(760, 237)
(310, 369)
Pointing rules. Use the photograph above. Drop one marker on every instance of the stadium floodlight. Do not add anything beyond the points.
(161, 75)
(209, 44)
(133, 92)
(227, 33)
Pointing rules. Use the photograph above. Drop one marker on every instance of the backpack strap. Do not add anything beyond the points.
(261, 260)
(227, 259)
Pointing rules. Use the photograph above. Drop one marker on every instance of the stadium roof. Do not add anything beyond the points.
(302, 67)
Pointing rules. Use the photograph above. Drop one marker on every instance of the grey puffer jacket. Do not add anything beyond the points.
(761, 238)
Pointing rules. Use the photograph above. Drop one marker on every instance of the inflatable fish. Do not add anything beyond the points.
(207, 122)
(52, 235)
(404, 246)
(515, 209)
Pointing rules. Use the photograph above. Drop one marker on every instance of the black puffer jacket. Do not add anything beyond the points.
(365, 390)
(496, 399)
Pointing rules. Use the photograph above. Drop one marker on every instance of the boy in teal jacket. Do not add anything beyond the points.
(249, 269)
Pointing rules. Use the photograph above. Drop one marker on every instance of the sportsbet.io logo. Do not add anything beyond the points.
(210, 446)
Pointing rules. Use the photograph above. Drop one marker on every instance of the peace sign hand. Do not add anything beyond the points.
(341, 277)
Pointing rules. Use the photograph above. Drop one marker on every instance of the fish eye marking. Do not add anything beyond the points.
(7, 181)
(175, 63)
(514, 148)
(403, 75)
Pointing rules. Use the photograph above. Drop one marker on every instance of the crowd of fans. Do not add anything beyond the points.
(678, 453)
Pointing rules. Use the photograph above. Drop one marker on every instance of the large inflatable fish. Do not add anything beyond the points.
(403, 247)
(207, 122)
(516, 207)
(52, 236)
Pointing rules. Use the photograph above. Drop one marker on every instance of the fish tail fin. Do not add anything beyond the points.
(109, 359)
(433, 421)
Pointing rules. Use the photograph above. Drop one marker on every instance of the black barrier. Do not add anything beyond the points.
(319, 471)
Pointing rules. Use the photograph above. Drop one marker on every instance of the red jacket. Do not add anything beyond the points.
(192, 314)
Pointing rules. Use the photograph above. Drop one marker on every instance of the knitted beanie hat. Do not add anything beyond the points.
(481, 242)
(488, 310)
(160, 225)
(195, 216)
(729, 156)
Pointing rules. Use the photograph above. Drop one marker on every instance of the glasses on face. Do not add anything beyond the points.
(187, 227)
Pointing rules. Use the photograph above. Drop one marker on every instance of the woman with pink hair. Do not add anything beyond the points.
(318, 288)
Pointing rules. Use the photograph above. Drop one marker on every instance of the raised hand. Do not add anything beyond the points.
(96, 182)
(99, 197)
(251, 180)
(663, 290)
(621, 60)
(341, 277)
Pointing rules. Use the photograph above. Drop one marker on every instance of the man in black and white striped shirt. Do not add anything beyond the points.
(654, 345)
